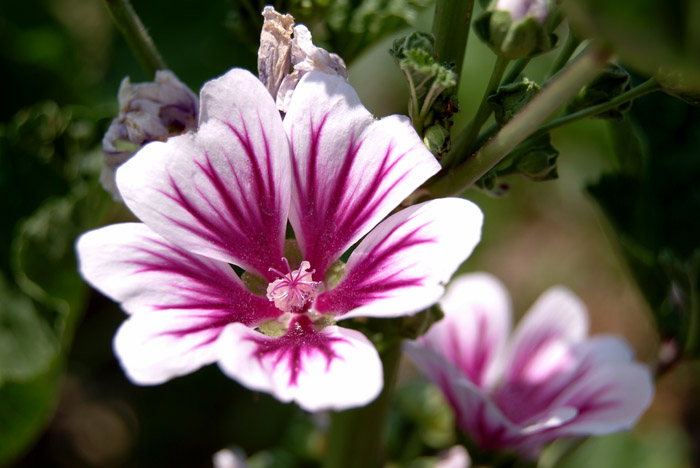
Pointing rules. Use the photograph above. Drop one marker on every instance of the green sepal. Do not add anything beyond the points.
(511, 98)
(524, 38)
(437, 139)
(427, 78)
(610, 84)
(683, 85)
(536, 159)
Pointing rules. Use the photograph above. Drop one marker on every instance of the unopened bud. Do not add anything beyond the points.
(516, 28)
(684, 85)
(611, 83)
(511, 98)
(152, 111)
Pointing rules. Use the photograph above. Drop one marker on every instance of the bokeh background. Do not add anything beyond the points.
(65, 402)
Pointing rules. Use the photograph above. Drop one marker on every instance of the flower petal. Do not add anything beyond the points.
(334, 368)
(349, 169)
(543, 338)
(473, 333)
(474, 410)
(180, 301)
(401, 266)
(224, 191)
(610, 390)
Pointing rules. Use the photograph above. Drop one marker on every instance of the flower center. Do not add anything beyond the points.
(294, 289)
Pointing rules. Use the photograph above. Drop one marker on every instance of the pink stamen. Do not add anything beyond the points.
(294, 289)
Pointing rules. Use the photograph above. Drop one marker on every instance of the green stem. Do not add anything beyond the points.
(136, 36)
(572, 42)
(647, 87)
(356, 437)
(517, 68)
(451, 30)
(464, 145)
(561, 89)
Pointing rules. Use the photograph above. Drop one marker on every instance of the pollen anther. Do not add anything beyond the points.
(294, 289)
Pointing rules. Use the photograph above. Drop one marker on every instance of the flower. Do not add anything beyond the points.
(278, 51)
(519, 9)
(152, 111)
(223, 196)
(548, 381)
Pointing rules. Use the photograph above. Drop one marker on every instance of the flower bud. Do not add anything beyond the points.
(152, 111)
(437, 139)
(611, 83)
(516, 28)
(537, 161)
(511, 98)
(684, 85)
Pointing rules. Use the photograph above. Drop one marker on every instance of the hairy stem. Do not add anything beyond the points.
(560, 90)
(136, 36)
(356, 438)
(451, 30)
(647, 87)
(572, 42)
(464, 144)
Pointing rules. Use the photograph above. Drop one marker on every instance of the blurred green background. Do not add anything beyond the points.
(65, 402)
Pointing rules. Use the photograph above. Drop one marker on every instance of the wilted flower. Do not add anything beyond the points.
(278, 51)
(223, 196)
(549, 380)
(152, 111)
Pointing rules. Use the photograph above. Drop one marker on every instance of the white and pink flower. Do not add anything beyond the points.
(549, 380)
(223, 197)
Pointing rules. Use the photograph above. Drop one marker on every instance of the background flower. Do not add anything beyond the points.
(549, 380)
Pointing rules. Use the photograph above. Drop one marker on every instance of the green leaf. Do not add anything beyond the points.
(652, 203)
(33, 346)
(25, 408)
(27, 342)
(45, 262)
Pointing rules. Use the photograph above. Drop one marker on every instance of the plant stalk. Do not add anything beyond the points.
(136, 36)
(451, 30)
(465, 143)
(356, 437)
(560, 90)
(645, 88)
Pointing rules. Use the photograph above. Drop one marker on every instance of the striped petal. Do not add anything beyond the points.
(474, 331)
(334, 368)
(401, 267)
(179, 301)
(223, 191)
(475, 412)
(349, 169)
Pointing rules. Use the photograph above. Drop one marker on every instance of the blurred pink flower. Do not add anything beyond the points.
(549, 380)
(224, 195)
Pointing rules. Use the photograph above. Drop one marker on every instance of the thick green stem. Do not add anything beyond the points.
(517, 68)
(464, 144)
(356, 438)
(451, 30)
(647, 87)
(561, 89)
(136, 36)
(572, 42)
